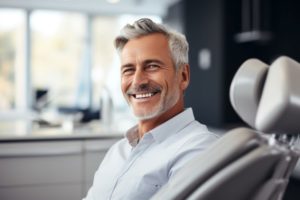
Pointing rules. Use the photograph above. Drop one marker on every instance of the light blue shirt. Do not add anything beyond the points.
(136, 171)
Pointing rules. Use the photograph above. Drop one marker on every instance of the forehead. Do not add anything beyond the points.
(150, 46)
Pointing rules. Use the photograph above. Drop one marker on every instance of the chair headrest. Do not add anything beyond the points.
(268, 97)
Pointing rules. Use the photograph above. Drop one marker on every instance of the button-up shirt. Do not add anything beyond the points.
(136, 170)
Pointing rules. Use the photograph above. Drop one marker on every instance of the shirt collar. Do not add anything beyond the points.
(132, 136)
(164, 130)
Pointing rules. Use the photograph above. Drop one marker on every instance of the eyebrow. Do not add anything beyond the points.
(145, 62)
(153, 61)
(126, 66)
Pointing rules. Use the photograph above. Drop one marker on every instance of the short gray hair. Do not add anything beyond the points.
(178, 44)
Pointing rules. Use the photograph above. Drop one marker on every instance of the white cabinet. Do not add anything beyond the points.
(49, 170)
(68, 191)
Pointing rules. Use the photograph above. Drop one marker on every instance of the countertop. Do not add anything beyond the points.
(13, 131)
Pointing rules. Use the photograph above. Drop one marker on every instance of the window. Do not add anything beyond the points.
(58, 57)
(12, 64)
(68, 55)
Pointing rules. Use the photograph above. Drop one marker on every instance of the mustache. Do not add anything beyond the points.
(144, 88)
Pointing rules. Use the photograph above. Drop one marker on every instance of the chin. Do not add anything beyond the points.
(156, 110)
(146, 115)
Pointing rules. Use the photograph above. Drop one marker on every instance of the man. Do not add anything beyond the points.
(154, 76)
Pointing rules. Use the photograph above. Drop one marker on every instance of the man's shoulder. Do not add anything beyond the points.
(193, 136)
(191, 141)
(197, 131)
(121, 145)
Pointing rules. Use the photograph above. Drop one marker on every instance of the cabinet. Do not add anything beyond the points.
(53, 170)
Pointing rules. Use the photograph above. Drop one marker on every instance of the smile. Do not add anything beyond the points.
(144, 96)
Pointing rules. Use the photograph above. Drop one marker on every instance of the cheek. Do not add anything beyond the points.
(172, 81)
(124, 85)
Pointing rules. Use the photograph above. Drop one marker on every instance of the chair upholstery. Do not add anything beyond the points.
(280, 98)
(246, 89)
(245, 163)
(241, 179)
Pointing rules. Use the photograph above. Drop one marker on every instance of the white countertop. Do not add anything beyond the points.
(24, 130)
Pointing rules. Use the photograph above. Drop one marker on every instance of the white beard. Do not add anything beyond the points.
(164, 104)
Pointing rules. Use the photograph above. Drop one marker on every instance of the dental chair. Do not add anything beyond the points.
(249, 163)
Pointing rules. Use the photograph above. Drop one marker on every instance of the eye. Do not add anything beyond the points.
(128, 71)
(152, 67)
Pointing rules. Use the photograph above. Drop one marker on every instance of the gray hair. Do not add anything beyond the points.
(177, 42)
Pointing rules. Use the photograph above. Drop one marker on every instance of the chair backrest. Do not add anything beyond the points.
(268, 98)
(244, 163)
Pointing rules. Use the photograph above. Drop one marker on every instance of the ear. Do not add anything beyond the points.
(185, 76)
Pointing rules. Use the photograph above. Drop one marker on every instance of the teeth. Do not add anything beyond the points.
(140, 96)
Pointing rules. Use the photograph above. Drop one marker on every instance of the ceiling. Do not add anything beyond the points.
(144, 7)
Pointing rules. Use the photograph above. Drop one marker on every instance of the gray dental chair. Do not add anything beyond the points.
(249, 163)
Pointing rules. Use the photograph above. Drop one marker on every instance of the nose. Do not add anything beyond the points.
(139, 78)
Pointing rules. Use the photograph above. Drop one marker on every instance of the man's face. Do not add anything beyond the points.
(149, 80)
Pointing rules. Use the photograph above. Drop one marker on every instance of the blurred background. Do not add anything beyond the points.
(59, 78)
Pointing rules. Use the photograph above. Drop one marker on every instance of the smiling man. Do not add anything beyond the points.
(154, 75)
